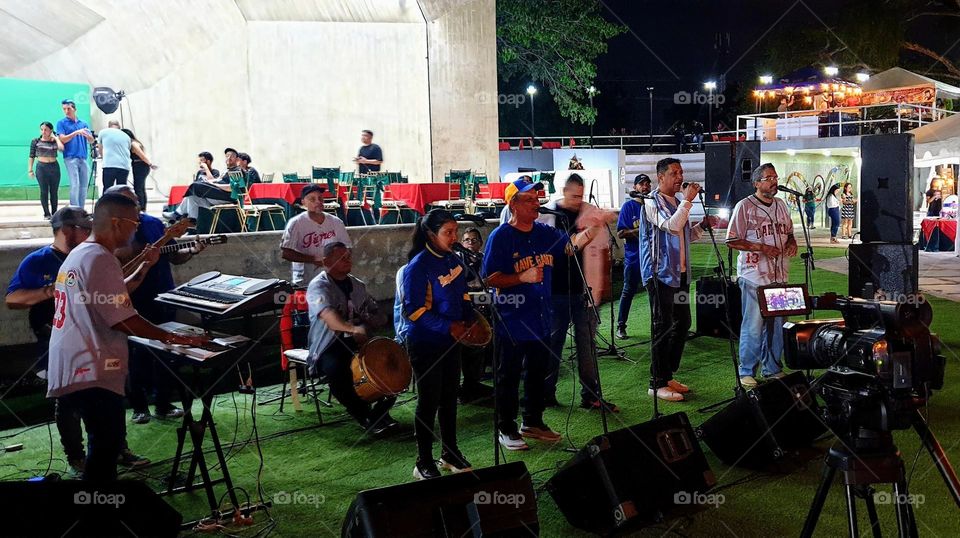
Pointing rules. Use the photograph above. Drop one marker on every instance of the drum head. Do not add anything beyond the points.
(387, 365)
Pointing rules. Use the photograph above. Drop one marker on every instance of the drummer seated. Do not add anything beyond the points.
(342, 315)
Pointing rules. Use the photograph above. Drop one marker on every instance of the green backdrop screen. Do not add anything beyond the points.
(23, 105)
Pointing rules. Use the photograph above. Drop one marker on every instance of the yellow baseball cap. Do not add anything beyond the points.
(524, 184)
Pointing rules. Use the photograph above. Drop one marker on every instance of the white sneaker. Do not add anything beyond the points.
(778, 375)
(748, 381)
(513, 441)
(667, 394)
(542, 433)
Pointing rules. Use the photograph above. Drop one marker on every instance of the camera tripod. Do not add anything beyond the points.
(878, 464)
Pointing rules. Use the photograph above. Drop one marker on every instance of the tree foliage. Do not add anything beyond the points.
(554, 43)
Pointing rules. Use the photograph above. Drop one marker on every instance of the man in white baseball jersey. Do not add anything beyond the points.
(762, 230)
(307, 233)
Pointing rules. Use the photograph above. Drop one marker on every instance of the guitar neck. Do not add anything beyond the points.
(174, 246)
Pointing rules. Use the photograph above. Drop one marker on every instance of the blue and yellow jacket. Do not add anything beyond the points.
(434, 296)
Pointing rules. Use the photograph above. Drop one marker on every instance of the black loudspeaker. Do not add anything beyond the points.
(727, 169)
(75, 508)
(886, 199)
(754, 430)
(494, 501)
(890, 268)
(712, 307)
(630, 476)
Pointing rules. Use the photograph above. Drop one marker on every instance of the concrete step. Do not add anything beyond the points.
(24, 219)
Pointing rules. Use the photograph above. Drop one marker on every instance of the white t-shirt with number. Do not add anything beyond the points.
(760, 223)
(305, 236)
(90, 297)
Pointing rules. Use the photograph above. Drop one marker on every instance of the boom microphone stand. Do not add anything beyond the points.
(612, 350)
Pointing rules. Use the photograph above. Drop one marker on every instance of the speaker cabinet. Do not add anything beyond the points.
(493, 501)
(630, 476)
(886, 199)
(754, 430)
(727, 169)
(712, 307)
(76, 508)
(891, 268)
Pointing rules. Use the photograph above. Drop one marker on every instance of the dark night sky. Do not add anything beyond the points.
(680, 35)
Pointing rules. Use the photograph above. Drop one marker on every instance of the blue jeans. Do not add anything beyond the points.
(585, 330)
(834, 214)
(631, 284)
(79, 177)
(811, 212)
(761, 339)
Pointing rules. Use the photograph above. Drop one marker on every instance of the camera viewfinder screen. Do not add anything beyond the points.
(783, 300)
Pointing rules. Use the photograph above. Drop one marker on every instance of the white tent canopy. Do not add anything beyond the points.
(938, 141)
(898, 77)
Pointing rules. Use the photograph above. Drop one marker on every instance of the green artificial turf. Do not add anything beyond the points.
(322, 468)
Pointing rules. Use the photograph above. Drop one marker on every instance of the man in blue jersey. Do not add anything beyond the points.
(628, 229)
(518, 262)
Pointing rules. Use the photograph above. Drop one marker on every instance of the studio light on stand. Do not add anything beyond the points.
(107, 100)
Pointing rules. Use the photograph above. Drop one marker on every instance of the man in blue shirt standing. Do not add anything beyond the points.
(75, 133)
(628, 229)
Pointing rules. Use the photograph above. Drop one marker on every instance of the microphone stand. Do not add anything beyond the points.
(807, 257)
(655, 259)
(496, 358)
(738, 390)
(612, 350)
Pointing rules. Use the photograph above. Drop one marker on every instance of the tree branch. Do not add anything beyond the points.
(943, 60)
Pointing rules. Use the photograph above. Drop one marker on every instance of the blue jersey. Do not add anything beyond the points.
(159, 278)
(77, 146)
(630, 215)
(434, 290)
(525, 309)
(37, 270)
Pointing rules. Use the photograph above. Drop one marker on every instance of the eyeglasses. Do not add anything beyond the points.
(470, 240)
(770, 178)
(137, 221)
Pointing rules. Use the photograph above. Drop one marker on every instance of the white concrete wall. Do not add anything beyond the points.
(292, 82)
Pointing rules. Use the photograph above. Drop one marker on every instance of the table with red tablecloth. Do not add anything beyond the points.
(492, 190)
(176, 194)
(938, 235)
(288, 192)
(418, 195)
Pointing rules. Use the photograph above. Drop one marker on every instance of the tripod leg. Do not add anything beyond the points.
(823, 489)
(871, 511)
(852, 511)
(906, 524)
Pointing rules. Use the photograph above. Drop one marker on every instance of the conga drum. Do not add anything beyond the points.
(479, 333)
(381, 368)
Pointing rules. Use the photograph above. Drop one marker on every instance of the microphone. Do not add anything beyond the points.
(590, 197)
(476, 219)
(460, 249)
(790, 191)
(546, 211)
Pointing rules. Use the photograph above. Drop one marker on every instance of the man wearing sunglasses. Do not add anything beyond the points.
(75, 134)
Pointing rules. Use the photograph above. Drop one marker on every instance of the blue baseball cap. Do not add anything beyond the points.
(524, 184)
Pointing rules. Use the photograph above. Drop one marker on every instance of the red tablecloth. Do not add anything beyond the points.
(418, 195)
(948, 227)
(492, 190)
(290, 192)
(176, 194)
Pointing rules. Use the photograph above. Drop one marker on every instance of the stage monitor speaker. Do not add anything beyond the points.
(882, 269)
(727, 169)
(712, 307)
(493, 501)
(76, 508)
(630, 476)
(754, 430)
(885, 198)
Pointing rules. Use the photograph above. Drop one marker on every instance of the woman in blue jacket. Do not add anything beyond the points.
(434, 287)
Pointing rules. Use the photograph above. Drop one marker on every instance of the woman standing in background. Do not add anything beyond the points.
(848, 210)
(44, 150)
(141, 168)
(833, 211)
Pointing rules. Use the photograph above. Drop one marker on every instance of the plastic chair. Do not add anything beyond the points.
(245, 207)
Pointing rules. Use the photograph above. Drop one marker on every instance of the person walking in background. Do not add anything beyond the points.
(75, 135)
(833, 211)
(848, 210)
(810, 207)
(115, 148)
(44, 150)
(141, 165)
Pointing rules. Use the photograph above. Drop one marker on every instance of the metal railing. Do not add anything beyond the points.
(887, 118)
(641, 143)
